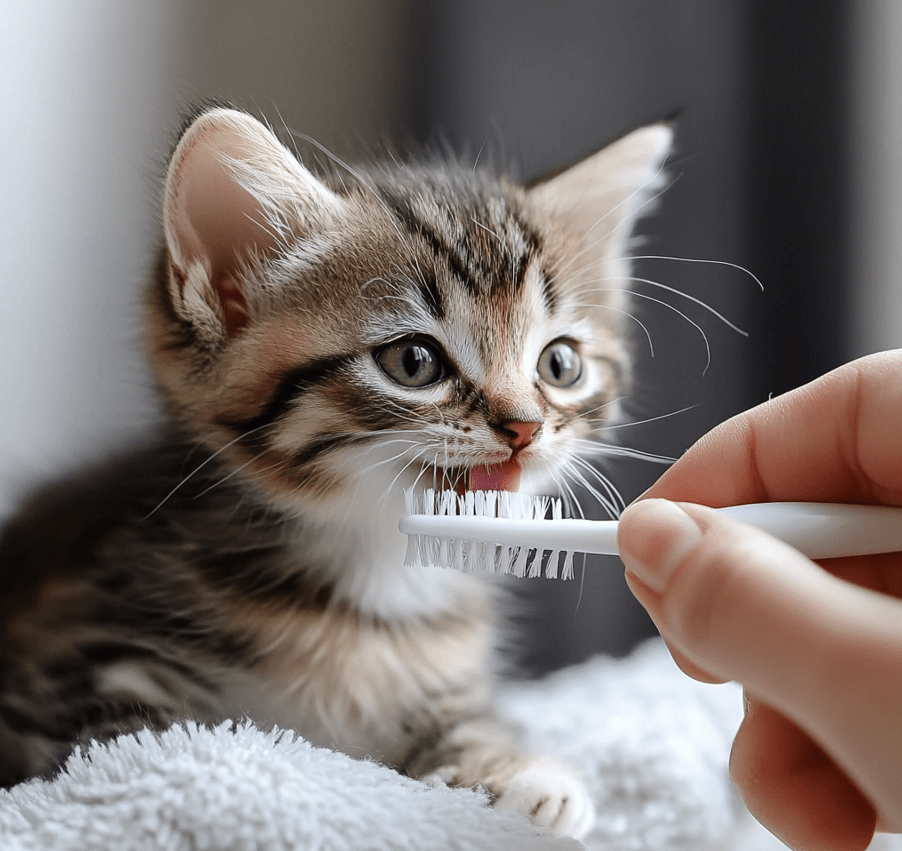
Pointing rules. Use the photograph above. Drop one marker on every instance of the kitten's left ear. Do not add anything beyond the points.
(233, 192)
(599, 199)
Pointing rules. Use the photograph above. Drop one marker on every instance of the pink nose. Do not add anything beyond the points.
(519, 434)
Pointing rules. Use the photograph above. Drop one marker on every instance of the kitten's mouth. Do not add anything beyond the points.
(503, 476)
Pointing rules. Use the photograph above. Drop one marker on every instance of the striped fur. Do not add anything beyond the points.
(248, 562)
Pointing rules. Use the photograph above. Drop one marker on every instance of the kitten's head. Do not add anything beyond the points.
(374, 327)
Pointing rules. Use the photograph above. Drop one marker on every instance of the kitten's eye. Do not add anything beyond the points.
(411, 363)
(560, 364)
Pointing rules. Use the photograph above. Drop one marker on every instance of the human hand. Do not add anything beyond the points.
(818, 758)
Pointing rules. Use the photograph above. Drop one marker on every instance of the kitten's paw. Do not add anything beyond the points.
(444, 776)
(551, 796)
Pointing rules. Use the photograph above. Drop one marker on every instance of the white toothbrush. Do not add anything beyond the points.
(507, 533)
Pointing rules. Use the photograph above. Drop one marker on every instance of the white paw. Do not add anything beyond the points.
(551, 796)
(443, 776)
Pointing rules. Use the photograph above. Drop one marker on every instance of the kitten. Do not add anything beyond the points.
(322, 342)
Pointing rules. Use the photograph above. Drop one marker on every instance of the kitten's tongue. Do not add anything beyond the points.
(495, 477)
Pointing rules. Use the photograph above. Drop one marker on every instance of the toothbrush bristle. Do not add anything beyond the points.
(470, 556)
(567, 571)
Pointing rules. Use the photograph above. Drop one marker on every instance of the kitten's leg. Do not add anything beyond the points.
(483, 751)
(45, 713)
(26, 755)
(36, 738)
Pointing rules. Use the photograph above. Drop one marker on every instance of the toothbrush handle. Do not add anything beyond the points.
(816, 529)
(826, 530)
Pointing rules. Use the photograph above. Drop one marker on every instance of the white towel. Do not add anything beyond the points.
(652, 745)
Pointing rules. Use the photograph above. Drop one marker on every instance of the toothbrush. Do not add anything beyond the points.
(508, 533)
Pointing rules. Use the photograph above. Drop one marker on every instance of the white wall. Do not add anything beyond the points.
(82, 116)
(91, 93)
(877, 179)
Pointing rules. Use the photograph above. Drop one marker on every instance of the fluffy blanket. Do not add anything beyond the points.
(652, 745)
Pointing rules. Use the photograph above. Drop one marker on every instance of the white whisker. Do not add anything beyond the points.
(625, 313)
(608, 502)
(617, 451)
(200, 466)
(649, 419)
(681, 315)
(691, 298)
(383, 462)
(615, 498)
(726, 263)
(400, 473)
(234, 472)
(598, 408)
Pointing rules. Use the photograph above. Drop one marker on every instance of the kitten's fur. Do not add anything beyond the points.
(248, 562)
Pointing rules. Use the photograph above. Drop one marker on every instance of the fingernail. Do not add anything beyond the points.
(654, 537)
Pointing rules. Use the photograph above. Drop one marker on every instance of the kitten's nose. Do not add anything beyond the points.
(519, 434)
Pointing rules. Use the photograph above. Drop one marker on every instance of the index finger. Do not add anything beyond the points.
(837, 439)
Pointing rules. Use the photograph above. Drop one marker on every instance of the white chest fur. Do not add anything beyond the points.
(354, 547)
(361, 685)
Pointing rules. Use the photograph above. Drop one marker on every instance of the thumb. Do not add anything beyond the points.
(722, 593)
(740, 605)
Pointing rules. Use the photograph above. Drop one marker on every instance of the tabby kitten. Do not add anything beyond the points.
(321, 343)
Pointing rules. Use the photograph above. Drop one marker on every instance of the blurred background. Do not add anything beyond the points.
(788, 164)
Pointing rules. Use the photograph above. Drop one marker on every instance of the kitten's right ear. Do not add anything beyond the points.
(599, 199)
(233, 193)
